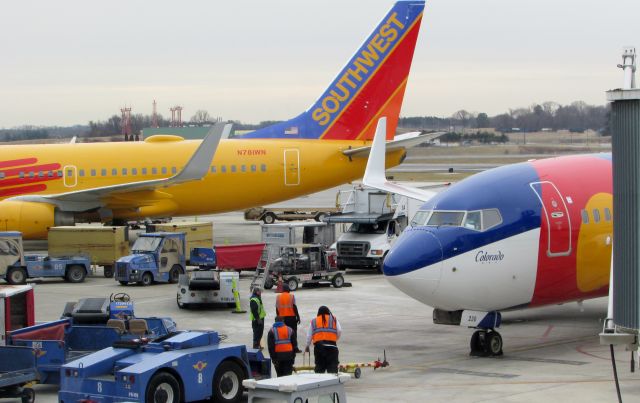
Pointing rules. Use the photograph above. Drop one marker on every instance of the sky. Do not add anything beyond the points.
(71, 61)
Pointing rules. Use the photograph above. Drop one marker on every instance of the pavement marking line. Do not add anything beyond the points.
(472, 373)
(480, 384)
(545, 360)
(547, 332)
(153, 300)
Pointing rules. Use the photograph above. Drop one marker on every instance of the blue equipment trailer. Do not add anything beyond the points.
(15, 267)
(156, 257)
(17, 368)
(88, 326)
(182, 367)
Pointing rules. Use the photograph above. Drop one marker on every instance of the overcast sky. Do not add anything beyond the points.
(68, 62)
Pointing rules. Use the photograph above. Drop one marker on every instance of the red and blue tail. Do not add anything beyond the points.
(370, 86)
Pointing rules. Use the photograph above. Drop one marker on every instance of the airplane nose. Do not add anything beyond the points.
(414, 264)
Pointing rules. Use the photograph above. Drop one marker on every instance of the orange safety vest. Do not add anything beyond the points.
(282, 337)
(328, 332)
(284, 304)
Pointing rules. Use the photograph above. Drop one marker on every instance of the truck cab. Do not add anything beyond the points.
(156, 257)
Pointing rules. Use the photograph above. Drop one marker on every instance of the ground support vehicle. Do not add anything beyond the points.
(102, 245)
(198, 234)
(239, 256)
(206, 285)
(16, 309)
(377, 220)
(17, 368)
(301, 264)
(269, 215)
(16, 267)
(181, 367)
(89, 325)
(156, 257)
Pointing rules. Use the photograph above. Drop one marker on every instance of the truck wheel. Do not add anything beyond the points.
(268, 284)
(163, 387)
(75, 274)
(269, 218)
(147, 279)
(17, 275)
(28, 395)
(337, 281)
(380, 265)
(292, 283)
(108, 271)
(227, 383)
(174, 273)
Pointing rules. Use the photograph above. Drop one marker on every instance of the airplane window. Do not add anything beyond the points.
(40, 174)
(93, 172)
(60, 174)
(446, 218)
(174, 170)
(233, 168)
(213, 169)
(1, 175)
(420, 218)
(134, 171)
(253, 168)
(50, 174)
(263, 167)
(103, 172)
(164, 170)
(585, 216)
(596, 215)
(144, 171)
(490, 218)
(114, 172)
(473, 220)
(607, 214)
(223, 169)
(31, 175)
(124, 171)
(243, 168)
(154, 171)
(69, 172)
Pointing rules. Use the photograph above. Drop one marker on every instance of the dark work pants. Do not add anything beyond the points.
(293, 324)
(326, 357)
(284, 367)
(258, 330)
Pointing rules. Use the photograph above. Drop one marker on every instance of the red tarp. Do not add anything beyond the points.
(55, 332)
(239, 257)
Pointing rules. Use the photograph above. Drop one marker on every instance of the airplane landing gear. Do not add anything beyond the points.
(486, 343)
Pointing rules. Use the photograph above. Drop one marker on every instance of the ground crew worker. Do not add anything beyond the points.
(286, 308)
(282, 346)
(324, 333)
(257, 315)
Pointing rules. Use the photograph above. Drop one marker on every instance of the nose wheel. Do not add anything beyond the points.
(486, 343)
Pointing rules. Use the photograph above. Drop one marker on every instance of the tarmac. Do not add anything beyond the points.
(550, 354)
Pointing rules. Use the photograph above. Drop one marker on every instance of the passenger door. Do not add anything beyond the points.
(556, 216)
(291, 167)
(70, 176)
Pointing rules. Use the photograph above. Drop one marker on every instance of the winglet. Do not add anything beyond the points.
(199, 163)
(374, 175)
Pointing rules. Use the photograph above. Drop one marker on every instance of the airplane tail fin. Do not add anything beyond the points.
(371, 85)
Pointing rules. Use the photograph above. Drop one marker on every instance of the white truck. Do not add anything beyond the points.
(376, 221)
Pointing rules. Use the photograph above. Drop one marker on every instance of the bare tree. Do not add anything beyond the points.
(201, 116)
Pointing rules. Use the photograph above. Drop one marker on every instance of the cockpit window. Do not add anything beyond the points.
(446, 218)
(478, 220)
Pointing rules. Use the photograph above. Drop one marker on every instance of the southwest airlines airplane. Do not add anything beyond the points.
(514, 237)
(46, 185)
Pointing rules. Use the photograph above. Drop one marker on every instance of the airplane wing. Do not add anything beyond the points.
(195, 169)
(374, 175)
(405, 140)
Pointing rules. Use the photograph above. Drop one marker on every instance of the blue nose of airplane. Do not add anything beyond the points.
(417, 248)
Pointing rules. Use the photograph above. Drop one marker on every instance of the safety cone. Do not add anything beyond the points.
(279, 287)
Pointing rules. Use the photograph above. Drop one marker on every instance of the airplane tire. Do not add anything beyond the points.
(477, 348)
(163, 387)
(108, 271)
(75, 274)
(268, 284)
(17, 275)
(493, 343)
(227, 383)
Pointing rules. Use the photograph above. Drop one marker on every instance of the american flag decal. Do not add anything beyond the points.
(23, 176)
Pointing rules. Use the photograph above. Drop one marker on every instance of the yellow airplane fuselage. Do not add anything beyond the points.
(243, 173)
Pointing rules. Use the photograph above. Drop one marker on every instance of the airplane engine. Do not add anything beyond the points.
(32, 219)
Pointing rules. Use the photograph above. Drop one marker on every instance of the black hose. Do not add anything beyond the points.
(615, 373)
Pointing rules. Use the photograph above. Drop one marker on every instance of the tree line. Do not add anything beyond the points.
(577, 116)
